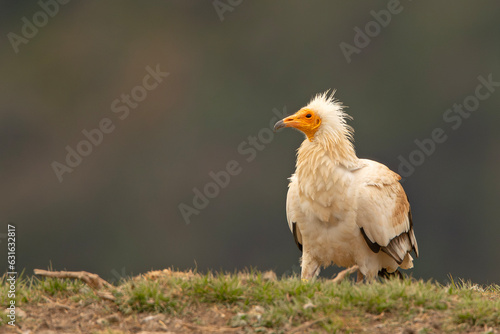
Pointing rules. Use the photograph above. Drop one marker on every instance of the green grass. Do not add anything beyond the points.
(278, 306)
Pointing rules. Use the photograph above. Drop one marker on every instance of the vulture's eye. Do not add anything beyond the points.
(308, 115)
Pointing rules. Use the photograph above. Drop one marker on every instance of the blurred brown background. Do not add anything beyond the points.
(118, 213)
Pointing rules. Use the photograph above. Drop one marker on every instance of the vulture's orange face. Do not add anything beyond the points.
(305, 120)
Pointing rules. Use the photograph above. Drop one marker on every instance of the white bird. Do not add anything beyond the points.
(342, 209)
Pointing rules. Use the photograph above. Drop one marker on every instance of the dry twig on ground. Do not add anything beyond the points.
(341, 275)
(92, 280)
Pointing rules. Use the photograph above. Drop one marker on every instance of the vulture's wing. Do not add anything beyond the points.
(384, 215)
(293, 213)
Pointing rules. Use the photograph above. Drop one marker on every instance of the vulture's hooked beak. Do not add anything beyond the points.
(288, 122)
(279, 125)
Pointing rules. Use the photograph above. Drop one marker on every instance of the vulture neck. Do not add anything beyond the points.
(325, 153)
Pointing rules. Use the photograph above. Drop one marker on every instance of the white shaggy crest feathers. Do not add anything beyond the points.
(334, 136)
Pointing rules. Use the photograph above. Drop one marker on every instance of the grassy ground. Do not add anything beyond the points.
(252, 302)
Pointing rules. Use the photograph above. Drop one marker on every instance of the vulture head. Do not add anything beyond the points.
(322, 118)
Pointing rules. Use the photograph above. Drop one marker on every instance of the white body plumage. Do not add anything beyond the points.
(346, 211)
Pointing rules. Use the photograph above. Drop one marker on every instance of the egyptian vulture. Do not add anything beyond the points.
(342, 209)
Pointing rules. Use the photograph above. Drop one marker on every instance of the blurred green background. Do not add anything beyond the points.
(117, 213)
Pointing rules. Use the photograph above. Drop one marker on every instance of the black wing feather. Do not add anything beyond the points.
(294, 230)
(395, 243)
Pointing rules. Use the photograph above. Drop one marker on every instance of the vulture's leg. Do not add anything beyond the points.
(361, 277)
(310, 267)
